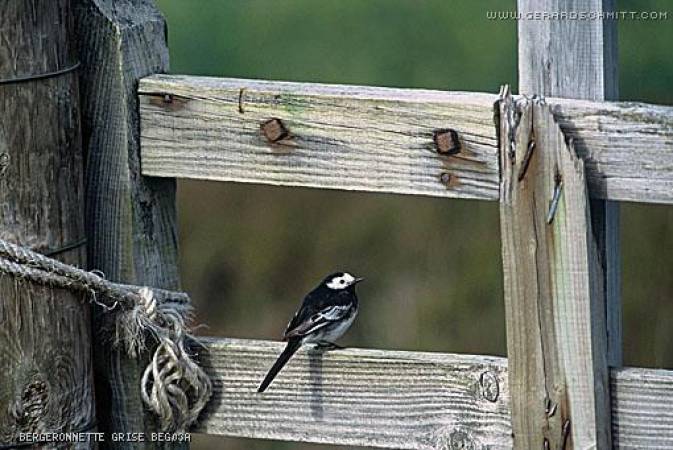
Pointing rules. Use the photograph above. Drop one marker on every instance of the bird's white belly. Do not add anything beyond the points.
(331, 333)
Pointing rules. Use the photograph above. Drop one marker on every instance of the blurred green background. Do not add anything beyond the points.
(434, 277)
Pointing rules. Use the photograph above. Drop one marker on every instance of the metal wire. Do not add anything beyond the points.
(39, 76)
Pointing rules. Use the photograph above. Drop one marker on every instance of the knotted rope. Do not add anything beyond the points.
(173, 385)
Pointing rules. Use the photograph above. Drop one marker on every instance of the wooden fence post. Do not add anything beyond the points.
(578, 59)
(46, 379)
(131, 224)
(562, 332)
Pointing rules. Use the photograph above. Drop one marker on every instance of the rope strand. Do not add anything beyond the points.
(173, 385)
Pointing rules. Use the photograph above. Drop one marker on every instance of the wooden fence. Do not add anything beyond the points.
(557, 167)
(384, 140)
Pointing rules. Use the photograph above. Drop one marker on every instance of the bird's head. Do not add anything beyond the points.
(341, 280)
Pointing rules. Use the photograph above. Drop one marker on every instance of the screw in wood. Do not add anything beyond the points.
(274, 130)
(446, 141)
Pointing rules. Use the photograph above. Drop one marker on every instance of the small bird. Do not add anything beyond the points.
(325, 314)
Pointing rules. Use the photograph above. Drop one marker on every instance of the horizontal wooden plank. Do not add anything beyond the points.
(361, 397)
(381, 139)
(343, 137)
(395, 399)
(642, 415)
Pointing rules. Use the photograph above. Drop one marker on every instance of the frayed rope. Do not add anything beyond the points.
(173, 385)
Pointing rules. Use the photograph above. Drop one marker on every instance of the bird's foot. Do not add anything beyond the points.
(327, 346)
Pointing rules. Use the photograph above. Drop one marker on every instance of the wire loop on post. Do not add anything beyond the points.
(40, 76)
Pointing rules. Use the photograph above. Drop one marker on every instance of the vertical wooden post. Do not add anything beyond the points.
(578, 59)
(131, 223)
(46, 380)
(562, 300)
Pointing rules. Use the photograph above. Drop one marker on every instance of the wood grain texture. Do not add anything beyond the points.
(341, 137)
(46, 375)
(641, 408)
(381, 139)
(361, 397)
(578, 59)
(131, 226)
(399, 399)
(555, 314)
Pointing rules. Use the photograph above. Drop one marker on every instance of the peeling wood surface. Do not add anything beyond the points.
(131, 225)
(555, 313)
(46, 375)
(382, 139)
(375, 398)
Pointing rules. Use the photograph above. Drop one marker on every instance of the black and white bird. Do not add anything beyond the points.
(326, 313)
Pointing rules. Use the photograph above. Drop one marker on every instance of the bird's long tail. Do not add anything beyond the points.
(290, 349)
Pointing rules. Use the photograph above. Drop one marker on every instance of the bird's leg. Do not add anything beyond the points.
(327, 346)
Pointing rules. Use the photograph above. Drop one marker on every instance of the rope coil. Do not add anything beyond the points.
(173, 386)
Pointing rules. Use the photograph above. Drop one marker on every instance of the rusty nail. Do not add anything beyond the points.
(526, 160)
(446, 141)
(274, 130)
(168, 98)
(555, 199)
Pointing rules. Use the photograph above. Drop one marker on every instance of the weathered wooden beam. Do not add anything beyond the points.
(411, 400)
(573, 59)
(383, 139)
(131, 226)
(46, 377)
(578, 59)
(338, 137)
(556, 338)
(375, 398)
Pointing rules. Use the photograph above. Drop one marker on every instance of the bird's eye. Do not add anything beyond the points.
(342, 281)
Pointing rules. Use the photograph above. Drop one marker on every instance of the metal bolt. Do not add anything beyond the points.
(274, 130)
(446, 141)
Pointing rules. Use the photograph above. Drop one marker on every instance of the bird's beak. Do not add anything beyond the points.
(357, 280)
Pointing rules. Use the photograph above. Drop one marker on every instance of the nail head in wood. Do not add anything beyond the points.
(274, 130)
(445, 178)
(446, 141)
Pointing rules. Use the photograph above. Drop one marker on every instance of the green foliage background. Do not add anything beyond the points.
(434, 276)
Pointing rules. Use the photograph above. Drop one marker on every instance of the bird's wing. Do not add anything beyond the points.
(312, 322)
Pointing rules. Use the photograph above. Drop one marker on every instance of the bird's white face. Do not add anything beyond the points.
(341, 281)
